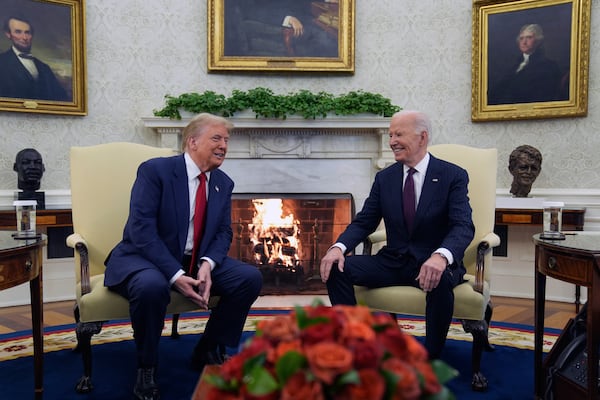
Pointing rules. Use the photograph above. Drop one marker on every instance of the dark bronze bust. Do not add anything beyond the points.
(30, 168)
(525, 164)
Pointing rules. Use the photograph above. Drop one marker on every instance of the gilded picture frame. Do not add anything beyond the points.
(42, 57)
(281, 35)
(553, 82)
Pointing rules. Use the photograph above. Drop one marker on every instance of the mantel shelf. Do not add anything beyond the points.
(333, 122)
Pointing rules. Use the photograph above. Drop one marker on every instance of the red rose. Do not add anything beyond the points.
(256, 346)
(407, 387)
(416, 352)
(282, 348)
(366, 354)
(280, 328)
(357, 313)
(384, 319)
(357, 330)
(371, 387)
(216, 394)
(233, 368)
(327, 360)
(318, 333)
(394, 341)
(430, 381)
(298, 387)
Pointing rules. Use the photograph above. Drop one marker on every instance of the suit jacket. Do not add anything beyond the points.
(442, 219)
(157, 227)
(17, 82)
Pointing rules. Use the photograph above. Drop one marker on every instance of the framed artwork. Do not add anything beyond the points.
(530, 59)
(42, 57)
(281, 35)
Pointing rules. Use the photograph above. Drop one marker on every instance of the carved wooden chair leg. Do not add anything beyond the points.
(488, 318)
(479, 330)
(76, 315)
(84, 332)
(174, 323)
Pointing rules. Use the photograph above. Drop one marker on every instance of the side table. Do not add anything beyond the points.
(575, 260)
(20, 262)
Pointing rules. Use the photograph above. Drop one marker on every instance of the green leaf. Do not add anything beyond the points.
(267, 104)
(290, 363)
(443, 371)
(350, 377)
(391, 381)
(219, 382)
(260, 382)
(304, 321)
(254, 362)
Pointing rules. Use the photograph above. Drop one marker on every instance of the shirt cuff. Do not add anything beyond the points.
(286, 22)
(339, 245)
(211, 262)
(176, 276)
(446, 253)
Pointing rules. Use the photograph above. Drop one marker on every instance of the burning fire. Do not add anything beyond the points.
(275, 236)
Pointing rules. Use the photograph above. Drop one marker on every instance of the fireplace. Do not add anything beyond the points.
(285, 236)
(297, 158)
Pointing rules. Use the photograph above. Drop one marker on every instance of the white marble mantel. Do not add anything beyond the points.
(297, 155)
(363, 136)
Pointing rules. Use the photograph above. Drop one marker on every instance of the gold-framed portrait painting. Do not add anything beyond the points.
(530, 59)
(42, 57)
(281, 35)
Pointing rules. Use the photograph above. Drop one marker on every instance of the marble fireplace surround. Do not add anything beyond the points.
(296, 155)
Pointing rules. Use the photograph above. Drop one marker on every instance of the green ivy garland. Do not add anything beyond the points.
(265, 104)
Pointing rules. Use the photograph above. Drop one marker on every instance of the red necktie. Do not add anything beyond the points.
(409, 199)
(199, 216)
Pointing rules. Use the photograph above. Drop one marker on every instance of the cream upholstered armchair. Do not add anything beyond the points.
(471, 299)
(101, 181)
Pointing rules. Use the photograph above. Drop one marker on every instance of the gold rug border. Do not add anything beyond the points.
(113, 332)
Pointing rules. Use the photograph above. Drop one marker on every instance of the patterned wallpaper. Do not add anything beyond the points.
(418, 53)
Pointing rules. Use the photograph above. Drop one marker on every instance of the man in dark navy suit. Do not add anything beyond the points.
(426, 253)
(22, 75)
(156, 251)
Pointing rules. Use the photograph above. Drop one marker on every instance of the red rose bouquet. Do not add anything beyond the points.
(321, 352)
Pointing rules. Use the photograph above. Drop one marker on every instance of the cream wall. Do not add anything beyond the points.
(418, 53)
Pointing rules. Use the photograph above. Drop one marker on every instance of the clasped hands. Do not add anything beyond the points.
(197, 290)
(429, 275)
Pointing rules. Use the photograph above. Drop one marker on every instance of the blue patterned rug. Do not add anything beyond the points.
(509, 369)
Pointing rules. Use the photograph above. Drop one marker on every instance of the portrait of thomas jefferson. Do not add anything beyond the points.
(529, 55)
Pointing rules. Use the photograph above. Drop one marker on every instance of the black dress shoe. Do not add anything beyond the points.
(204, 355)
(145, 385)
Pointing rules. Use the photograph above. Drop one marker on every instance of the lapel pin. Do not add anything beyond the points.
(217, 188)
(435, 180)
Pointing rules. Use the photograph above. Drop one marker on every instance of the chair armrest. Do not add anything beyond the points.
(375, 237)
(73, 239)
(77, 242)
(492, 239)
(485, 245)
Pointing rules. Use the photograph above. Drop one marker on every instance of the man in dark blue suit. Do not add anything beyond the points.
(427, 254)
(157, 244)
(22, 75)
